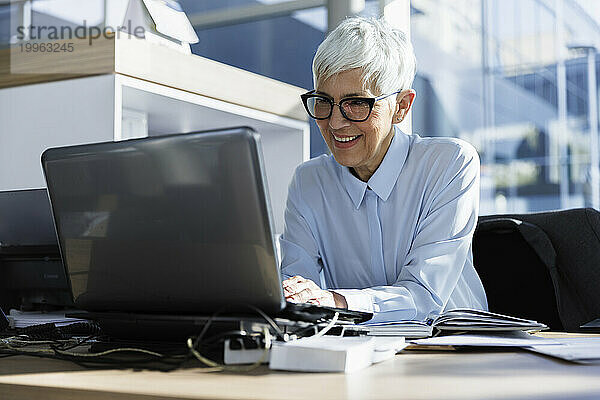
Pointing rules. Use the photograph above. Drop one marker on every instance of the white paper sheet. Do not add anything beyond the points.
(572, 349)
(508, 339)
(22, 319)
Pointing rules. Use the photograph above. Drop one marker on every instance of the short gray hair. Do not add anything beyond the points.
(385, 55)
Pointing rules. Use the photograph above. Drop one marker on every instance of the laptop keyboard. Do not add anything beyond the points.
(314, 313)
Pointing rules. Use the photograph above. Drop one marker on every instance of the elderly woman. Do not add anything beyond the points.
(385, 223)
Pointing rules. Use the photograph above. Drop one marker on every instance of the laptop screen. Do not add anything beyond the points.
(174, 224)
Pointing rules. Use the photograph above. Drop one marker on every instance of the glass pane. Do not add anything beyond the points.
(504, 95)
(5, 10)
(212, 5)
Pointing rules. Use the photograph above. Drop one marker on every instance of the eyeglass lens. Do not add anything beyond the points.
(353, 109)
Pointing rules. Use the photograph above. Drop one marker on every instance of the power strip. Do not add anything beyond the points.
(244, 351)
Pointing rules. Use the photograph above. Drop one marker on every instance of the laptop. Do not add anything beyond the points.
(176, 225)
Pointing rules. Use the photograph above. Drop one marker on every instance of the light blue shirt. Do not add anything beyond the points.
(398, 245)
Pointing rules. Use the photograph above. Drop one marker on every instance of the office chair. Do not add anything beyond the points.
(541, 266)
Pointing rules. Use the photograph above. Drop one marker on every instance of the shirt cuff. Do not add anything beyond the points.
(357, 300)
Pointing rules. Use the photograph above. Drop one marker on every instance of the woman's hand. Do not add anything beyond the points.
(300, 290)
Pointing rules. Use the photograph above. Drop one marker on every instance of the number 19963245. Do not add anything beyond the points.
(46, 47)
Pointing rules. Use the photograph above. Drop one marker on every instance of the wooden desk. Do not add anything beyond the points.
(411, 374)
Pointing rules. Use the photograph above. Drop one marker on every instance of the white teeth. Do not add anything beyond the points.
(345, 139)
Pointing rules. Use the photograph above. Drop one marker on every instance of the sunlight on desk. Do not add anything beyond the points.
(411, 374)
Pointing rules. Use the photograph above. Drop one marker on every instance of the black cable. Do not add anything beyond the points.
(301, 331)
(96, 363)
(82, 360)
(81, 328)
(197, 341)
(79, 343)
(48, 331)
(216, 339)
(147, 361)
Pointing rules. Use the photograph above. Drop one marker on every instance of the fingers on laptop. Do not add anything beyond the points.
(297, 284)
(300, 290)
(290, 286)
(305, 296)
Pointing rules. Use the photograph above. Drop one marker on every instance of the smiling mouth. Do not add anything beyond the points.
(345, 139)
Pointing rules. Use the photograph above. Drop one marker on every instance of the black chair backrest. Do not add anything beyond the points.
(543, 266)
(516, 280)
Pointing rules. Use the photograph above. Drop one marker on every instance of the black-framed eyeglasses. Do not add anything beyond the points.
(355, 109)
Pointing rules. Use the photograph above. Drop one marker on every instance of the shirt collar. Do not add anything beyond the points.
(384, 179)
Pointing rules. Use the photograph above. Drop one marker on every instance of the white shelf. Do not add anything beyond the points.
(285, 141)
(158, 85)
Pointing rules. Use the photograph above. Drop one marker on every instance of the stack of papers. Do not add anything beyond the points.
(407, 329)
(23, 319)
(457, 320)
(464, 319)
(576, 348)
